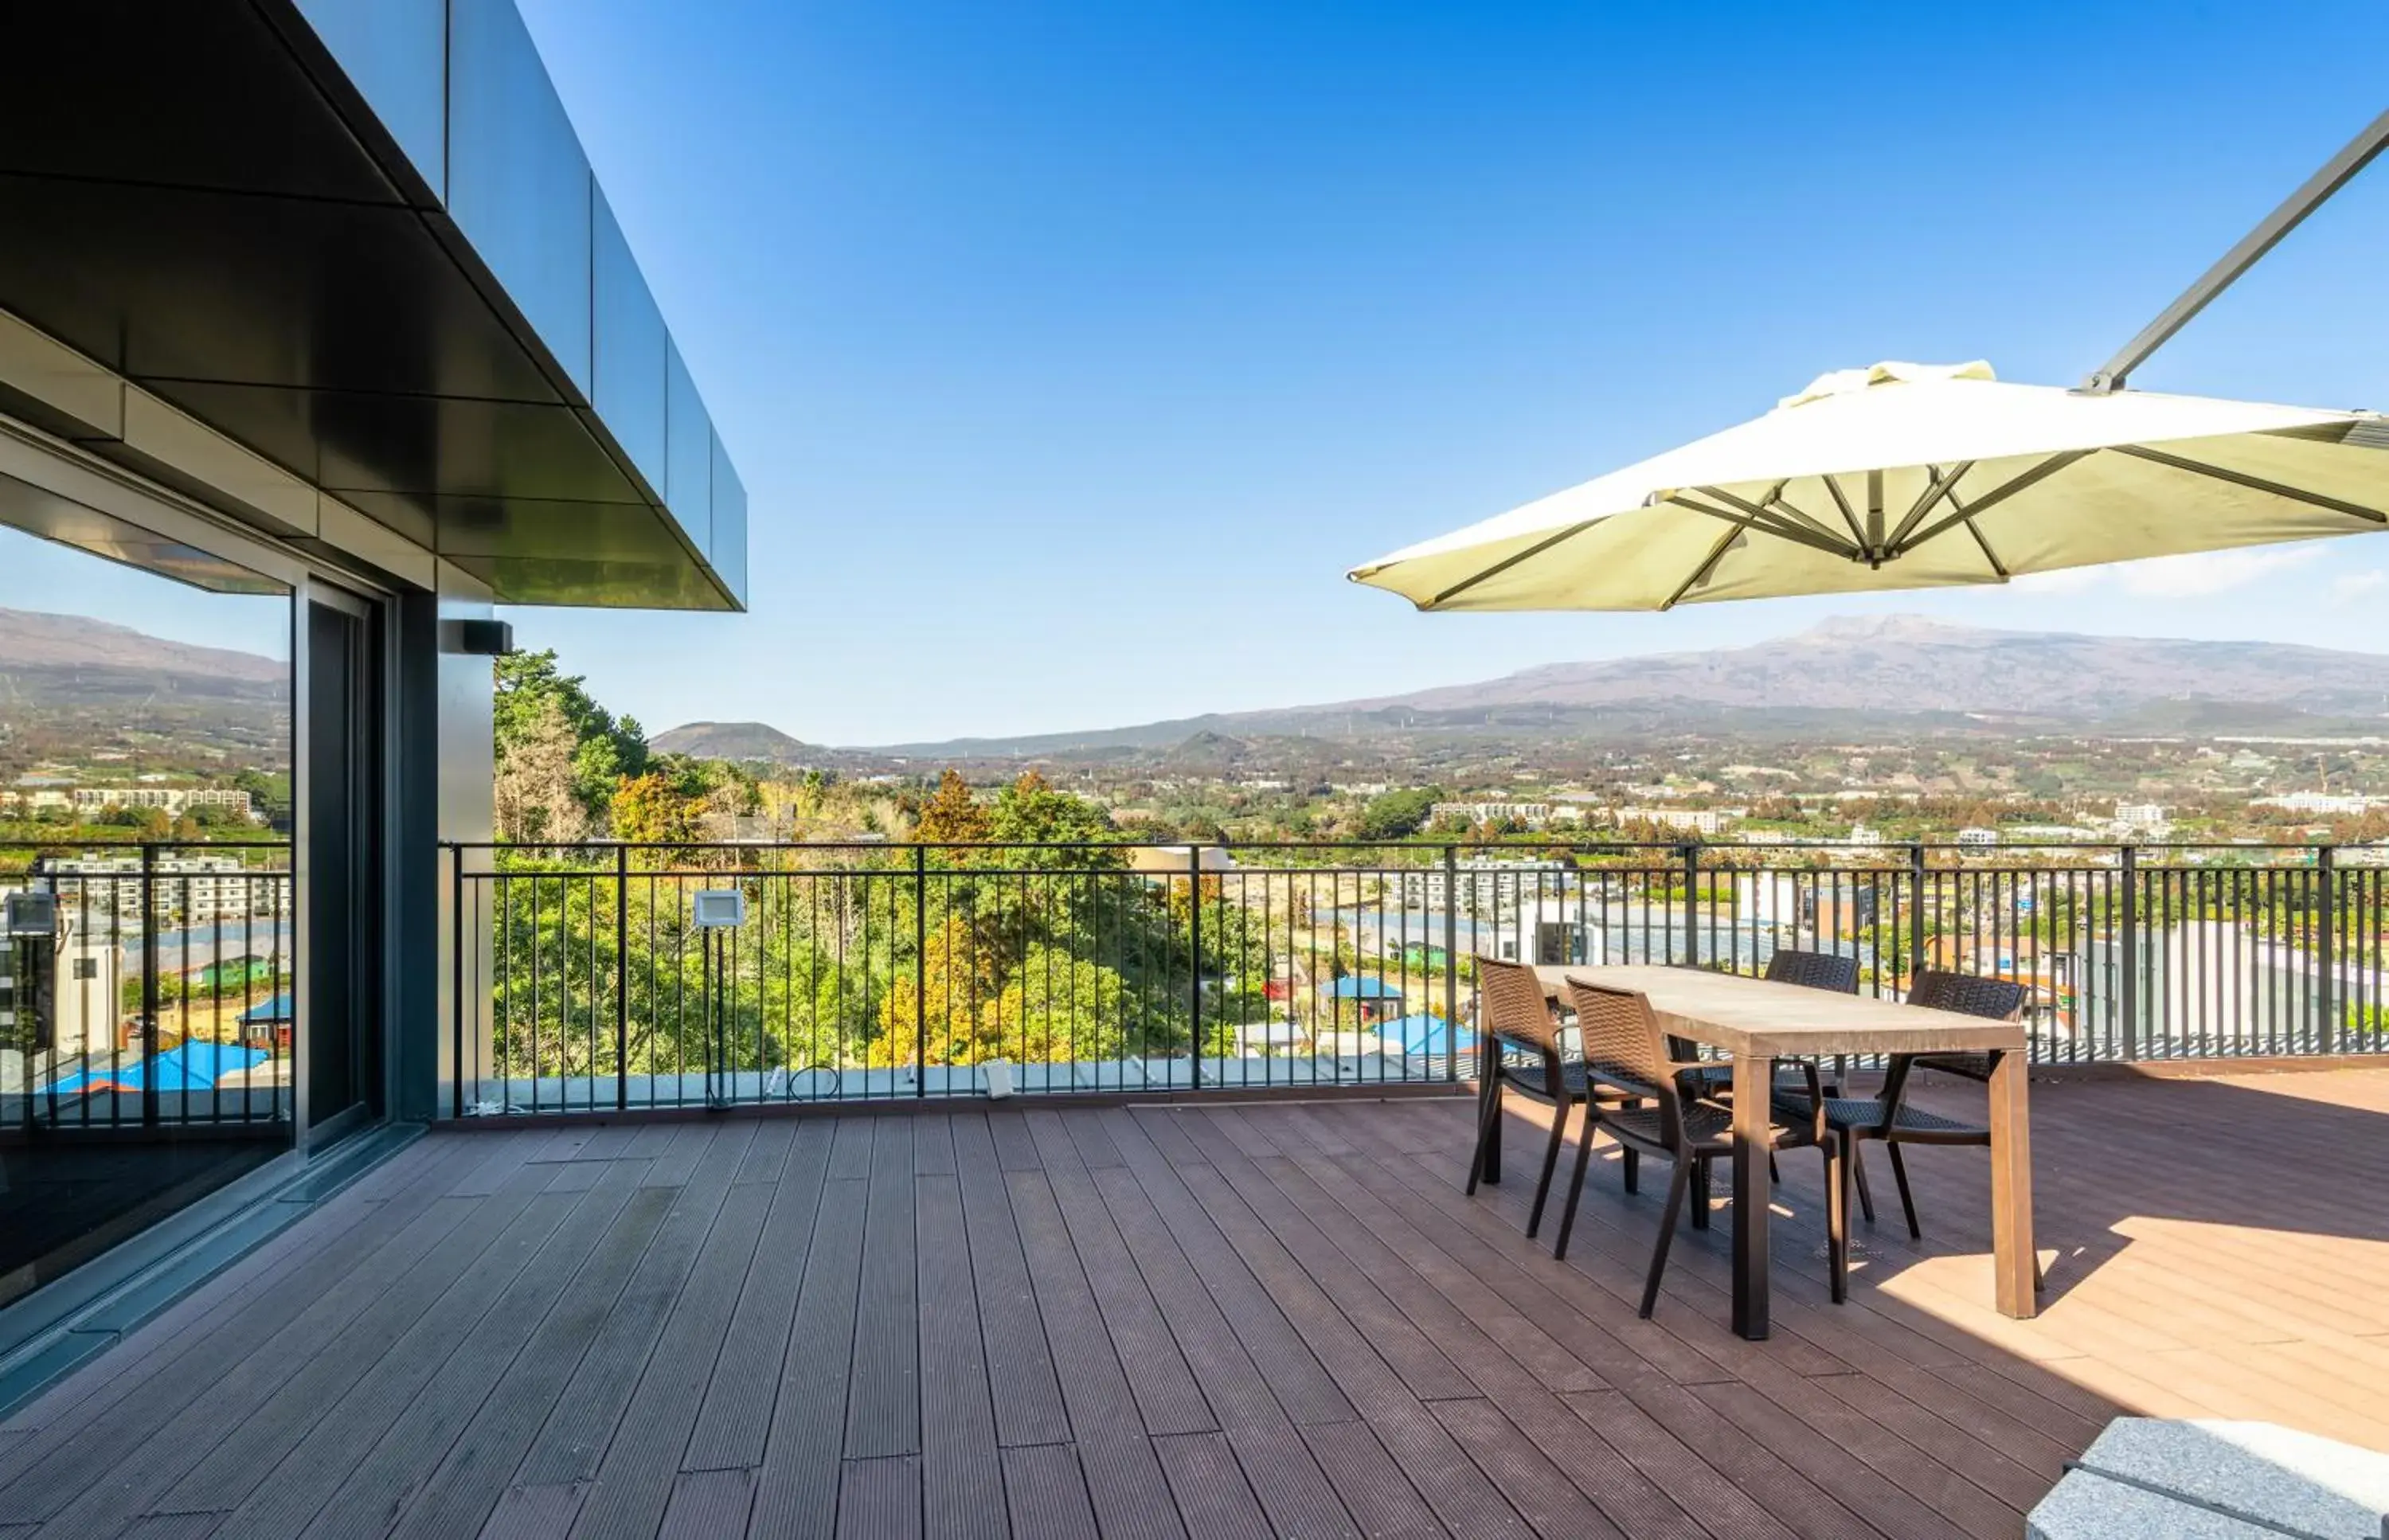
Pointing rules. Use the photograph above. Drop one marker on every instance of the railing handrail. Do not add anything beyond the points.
(1426, 842)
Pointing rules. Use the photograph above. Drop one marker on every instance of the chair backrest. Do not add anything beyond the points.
(1814, 970)
(1624, 1048)
(2001, 999)
(1511, 1007)
(1623, 1045)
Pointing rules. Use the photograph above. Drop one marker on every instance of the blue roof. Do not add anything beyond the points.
(191, 1067)
(276, 1010)
(1361, 987)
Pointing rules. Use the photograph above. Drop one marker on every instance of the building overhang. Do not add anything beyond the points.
(359, 240)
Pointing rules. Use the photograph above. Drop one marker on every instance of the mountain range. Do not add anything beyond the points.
(1848, 675)
(71, 685)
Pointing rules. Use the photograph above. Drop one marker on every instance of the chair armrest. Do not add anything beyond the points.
(1816, 1127)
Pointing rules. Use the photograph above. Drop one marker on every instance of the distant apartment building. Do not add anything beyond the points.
(174, 801)
(2320, 803)
(1705, 822)
(1485, 886)
(2140, 821)
(1976, 837)
(1534, 815)
(191, 889)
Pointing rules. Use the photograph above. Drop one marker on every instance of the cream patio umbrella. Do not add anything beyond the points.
(1906, 475)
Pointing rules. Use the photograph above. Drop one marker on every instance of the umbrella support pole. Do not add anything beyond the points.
(2335, 173)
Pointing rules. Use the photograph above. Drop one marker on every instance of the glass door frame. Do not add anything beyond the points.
(67, 472)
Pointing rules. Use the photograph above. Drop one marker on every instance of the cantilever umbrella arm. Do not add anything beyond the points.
(2335, 173)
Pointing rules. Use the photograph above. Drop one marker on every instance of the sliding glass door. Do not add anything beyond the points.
(341, 1007)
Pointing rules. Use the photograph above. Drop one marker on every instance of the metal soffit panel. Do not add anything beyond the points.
(218, 228)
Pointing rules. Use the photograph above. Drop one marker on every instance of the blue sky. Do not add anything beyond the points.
(1070, 352)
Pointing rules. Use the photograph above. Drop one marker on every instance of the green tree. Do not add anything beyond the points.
(537, 799)
(605, 748)
(953, 816)
(1399, 814)
(655, 808)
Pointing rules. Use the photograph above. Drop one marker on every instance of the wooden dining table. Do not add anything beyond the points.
(1758, 1021)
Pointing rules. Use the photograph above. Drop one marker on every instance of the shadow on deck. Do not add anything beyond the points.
(1276, 1317)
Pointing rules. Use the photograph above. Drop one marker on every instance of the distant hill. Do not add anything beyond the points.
(71, 685)
(736, 741)
(1842, 676)
(69, 657)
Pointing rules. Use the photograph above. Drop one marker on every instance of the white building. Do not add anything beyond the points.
(192, 889)
(172, 800)
(1705, 821)
(1534, 815)
(1487, 887)
(1975, 838)
(2320, 803)
(2141, 820)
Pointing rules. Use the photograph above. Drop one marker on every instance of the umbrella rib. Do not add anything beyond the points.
(1849, 515)
(1701, 574)
(1992, 498)
(1765, 520)
(1506, 563)
(1775, 504)
(1937, 487)
(2253, 483)
(1755, 520)
(1988, 554)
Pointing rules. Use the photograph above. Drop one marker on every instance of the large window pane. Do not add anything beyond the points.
(147, 966)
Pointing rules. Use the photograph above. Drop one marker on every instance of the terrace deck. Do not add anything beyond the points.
(1278, 1318)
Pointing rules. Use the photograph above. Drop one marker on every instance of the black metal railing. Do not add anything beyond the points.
(146, 984)
(585, 981)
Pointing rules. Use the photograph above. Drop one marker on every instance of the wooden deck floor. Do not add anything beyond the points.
(1269, 1319)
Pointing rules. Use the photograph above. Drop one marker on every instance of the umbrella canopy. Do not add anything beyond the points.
(1169, 860)
(1915, 476)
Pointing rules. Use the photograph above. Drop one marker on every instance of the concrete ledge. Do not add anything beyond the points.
(2155, 1476)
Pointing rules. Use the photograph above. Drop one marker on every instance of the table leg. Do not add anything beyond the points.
(1754, 1191)
(1489, 1085)
(2011, 1242)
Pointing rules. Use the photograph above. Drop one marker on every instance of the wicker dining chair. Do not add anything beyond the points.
(1523, 1023)
(1887, 1116)
(1787, 965)
(1624, 1049)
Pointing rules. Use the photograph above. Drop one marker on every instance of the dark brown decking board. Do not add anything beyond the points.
(1204, 1319)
